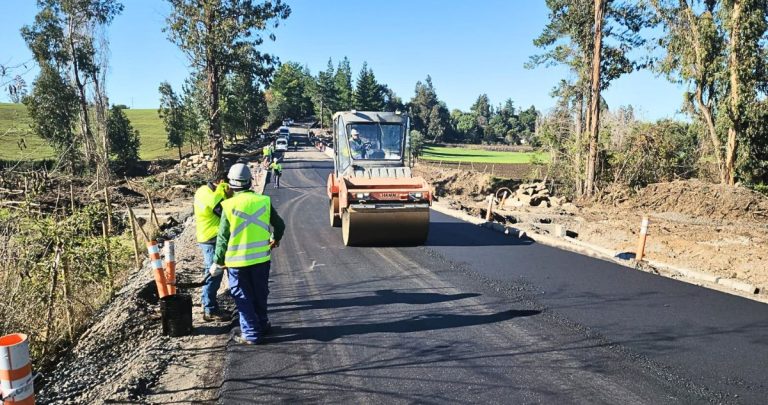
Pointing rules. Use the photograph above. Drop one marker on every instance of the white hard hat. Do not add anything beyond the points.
(274, 160)
(239, 175)
(355, 132)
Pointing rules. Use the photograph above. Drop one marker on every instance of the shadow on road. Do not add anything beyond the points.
(415, 324)
(466, 234)
(381, 297)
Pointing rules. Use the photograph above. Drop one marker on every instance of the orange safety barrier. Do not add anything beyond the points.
(170, 267)
(16, 381)
(157, 268)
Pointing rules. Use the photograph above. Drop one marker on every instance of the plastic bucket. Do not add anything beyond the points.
(176, 311)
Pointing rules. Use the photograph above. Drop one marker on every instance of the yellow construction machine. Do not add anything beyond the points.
(372, 193)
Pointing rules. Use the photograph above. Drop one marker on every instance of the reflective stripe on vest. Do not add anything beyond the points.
(207, 222)
(248, 216)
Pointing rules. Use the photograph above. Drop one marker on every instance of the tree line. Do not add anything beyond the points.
(296, 93)
(714, 47)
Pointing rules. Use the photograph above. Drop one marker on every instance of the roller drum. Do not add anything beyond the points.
(406, 226)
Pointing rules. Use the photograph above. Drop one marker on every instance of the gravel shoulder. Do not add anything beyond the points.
(123, 356)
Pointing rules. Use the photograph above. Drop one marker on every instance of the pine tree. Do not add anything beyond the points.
(342, 83)
(368, 94)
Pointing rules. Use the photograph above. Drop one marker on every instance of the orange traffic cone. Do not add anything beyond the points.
(16, 381)
(170, 267)
(157, 268)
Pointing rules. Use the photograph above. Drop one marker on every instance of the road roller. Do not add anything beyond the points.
(372, 193)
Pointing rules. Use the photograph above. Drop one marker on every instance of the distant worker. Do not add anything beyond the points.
(357, 145)
(277, 171)
(207, 207)
(267, 153)
(243, 246)
(295, 146)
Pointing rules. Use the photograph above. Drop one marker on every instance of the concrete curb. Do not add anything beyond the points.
(599, 252)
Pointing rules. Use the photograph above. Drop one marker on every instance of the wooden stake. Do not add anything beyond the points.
(109, 210)
(134, 236)
(109, 259)
(152, 214)
(68, 303)
(72, 197)
(489, 213)
(52, 299)
(641, 241)
(133, 219)
(503, 200)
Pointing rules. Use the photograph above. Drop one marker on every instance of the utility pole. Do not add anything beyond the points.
(321, 115)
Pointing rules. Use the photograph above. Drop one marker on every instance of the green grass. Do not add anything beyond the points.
(14, 126)
(481, 156)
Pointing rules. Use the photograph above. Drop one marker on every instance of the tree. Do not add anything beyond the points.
(52, 108)
(124, 140)
(246, 108)
(64, 36)
(17, 89)
(328, 99)
(593, 38)
(171, 111)
(219, 36)
(715, 47)
(369, 94)
(482, 110)
(391, 101)
(289, 95)
(426, 107)
(342, 82)
(416, 143)
(746, 26)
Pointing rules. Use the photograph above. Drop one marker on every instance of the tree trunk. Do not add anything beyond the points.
(735, 108)
(85, 127)
(214, 119)
(706, 113)
(579, 131)
(179, 147)
(594, 102)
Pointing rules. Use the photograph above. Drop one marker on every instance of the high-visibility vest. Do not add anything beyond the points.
(205, 201)
(276, 167)
(267, 150)
(249, 234)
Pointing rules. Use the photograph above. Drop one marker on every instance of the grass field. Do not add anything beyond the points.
(446, 154)
(14, 126)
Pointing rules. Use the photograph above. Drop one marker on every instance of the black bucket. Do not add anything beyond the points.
(176, 311)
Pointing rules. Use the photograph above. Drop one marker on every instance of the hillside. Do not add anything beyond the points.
(14, 126)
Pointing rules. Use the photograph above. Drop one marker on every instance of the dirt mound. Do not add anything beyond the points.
(702, 200)
(455, 183)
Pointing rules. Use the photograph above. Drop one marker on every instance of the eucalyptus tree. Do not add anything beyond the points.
(64, 36)
(219, 35)
(594, 39)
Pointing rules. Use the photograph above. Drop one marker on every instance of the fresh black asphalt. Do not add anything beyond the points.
(476, 316)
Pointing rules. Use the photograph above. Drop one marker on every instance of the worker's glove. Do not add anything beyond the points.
(216, 270)
(273, 244)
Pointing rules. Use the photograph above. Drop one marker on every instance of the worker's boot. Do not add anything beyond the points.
(216, 316)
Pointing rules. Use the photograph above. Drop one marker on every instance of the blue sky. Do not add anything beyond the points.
(468, 48)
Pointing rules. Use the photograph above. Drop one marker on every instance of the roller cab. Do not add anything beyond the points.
(373, 195)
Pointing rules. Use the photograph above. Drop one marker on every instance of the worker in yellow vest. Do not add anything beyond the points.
(267, 151)
(277, 171)
(243, 246)
(208, 199)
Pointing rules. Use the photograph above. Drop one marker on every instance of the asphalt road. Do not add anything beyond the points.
(478, 317)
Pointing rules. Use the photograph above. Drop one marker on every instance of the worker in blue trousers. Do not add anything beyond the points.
(243, 247)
